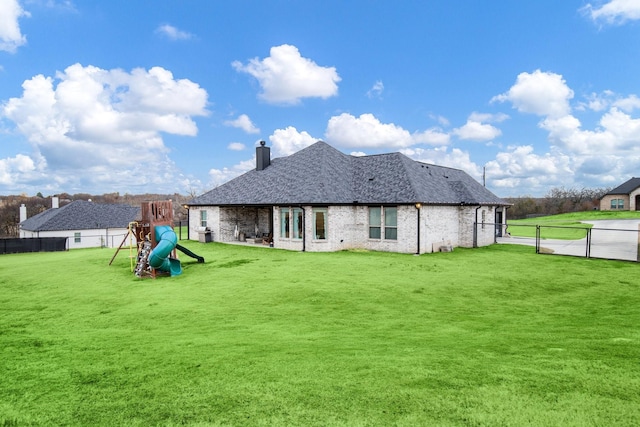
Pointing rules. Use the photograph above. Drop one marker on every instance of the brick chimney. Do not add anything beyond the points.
(263, 156)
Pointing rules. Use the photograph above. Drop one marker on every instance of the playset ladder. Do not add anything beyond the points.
(142, 263)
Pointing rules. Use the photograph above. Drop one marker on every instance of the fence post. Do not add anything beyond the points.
(537, 239)
(588, 243)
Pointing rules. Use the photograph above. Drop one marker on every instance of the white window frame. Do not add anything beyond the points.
(325, 215)
(387, 230)
(285, 223)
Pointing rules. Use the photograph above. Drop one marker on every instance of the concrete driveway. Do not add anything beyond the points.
(610, 239)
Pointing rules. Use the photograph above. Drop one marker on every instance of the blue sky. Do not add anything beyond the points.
(173, 96)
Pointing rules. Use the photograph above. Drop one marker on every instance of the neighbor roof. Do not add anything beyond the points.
(82, 215)
(627, 187)
(321, 175)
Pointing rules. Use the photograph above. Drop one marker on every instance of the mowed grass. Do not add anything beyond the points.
(569, 226)
(497, 336)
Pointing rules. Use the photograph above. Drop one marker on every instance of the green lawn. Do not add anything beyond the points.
(497, 336)
(564, 226)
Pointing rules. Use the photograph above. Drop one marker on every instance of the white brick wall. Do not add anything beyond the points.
(213, 221)
(94, 238)
(348, 228)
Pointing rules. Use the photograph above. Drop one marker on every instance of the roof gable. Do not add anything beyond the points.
(626, 188)
(321, 174)
(82, 215)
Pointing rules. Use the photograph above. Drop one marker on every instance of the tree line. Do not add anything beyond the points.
(558, 200)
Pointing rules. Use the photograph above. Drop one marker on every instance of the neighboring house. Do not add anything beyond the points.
(625, 197)
(85, 224)
(320, 199)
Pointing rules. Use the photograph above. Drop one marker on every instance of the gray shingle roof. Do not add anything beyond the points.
(626, 188)
(321, 175)
(81, 215)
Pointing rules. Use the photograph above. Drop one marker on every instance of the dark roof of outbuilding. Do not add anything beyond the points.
(627, 187)
(321, 175)
(82, 215)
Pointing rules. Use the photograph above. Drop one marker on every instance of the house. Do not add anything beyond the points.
(320, 199)
(85, 224)
(625, 197)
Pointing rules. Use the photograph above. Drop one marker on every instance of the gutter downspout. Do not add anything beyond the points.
(475, 228)
(304, 228)
(418, 207)
(188, 215)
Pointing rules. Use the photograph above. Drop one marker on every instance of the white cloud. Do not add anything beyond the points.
(614, 11)
(441, 156)
(286, 77)
(220, 176)
(367, 131)
(541, 93)
(173, 33)
(376, 90)
(488, 117)
(62, 5)
(91, 125)
(243, 122)
(521, 167)
(628, 104)
(433, 136)
(287, 141)
(476, 130)
(12, 169)
(443, 121)
(236, 146)
(618, 134)
(602, 156)
(284, 142)
(11, 37)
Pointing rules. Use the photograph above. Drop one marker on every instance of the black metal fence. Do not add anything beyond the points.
(589, 242)
(36, 244)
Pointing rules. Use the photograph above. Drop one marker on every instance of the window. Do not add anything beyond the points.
(284, 223)
(291, 223)
(77, 238)
(203, 218)
(320, 223)
(375, 223)
(617, 203)
(298, 224)
(391, 223)
(387, 216)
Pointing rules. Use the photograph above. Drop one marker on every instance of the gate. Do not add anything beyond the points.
(596, 242)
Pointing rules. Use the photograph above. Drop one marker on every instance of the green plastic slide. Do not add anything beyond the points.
(159, 256)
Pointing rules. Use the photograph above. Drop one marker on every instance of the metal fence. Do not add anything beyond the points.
(595, 242)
